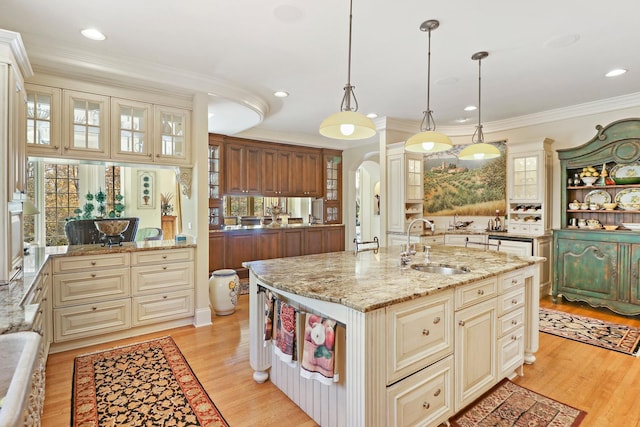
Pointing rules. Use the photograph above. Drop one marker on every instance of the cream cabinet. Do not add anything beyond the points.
(511, 321)
(529, 186)
(162, 285)
(131, 130)
(405, 189)
(43, 120)
(477, 241)
(172, 135)
(85, 125)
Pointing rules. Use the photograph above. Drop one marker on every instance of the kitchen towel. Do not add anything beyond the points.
(285, 346)
(319, 349)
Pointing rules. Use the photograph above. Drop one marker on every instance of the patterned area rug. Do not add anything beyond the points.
(144, 384)
(244, 287)
(508, 404)
(613, 336)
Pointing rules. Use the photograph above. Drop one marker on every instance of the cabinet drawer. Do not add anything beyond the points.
(156, 278)
(91, 319)
(467, 295)
(162, 256)
(425, 398)
(511, 281)
(418, 333)
(37, 291)
(511, 321)
(511, 301)
(510, 352)
(87, 287)
(74, 264)
(432, 240)
(159, 308)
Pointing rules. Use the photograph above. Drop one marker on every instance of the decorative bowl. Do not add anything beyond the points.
(610, 227)
(112, 227)
(589, 180)
(609, 206)
(574, 206)
(633, 226)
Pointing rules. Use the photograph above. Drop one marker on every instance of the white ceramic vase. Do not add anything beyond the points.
(223, 291)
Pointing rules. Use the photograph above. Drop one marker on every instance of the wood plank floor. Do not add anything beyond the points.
(602, 382)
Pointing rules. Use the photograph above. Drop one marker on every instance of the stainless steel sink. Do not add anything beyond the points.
(440, 269)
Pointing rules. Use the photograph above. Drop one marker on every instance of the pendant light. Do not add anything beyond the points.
(348, 123)
(428, 140)
(478, 149)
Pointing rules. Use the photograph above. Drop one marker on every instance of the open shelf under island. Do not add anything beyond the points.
(418, 347)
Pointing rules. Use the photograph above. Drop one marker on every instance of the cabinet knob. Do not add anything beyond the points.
(437, 393)
(164, 267)
(514, 322)
(93, 274)
(164, 297)
(164, 257)
(425, 332)
(514, 281)
(514, 338)
(94, 308)
(514, 301)
(461, 323)
(426, 405)
(93, 263)
(56, 147)
(480, 291)
(436, 320)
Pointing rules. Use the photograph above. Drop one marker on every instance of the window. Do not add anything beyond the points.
(252, 206)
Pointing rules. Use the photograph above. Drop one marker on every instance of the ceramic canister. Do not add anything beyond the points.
(223, 291)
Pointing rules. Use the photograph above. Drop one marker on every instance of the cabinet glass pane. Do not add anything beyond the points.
(214, 173)
(132, 129)
(214, 216)
(38, 119)
(525, 178)
(173, 134)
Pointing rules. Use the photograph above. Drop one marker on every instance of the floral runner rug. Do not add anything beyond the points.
(144, 384)
(612, 336)
(509, 404)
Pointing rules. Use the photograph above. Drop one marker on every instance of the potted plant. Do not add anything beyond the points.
(165, 203)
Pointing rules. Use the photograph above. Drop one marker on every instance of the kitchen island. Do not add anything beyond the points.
(419, 347)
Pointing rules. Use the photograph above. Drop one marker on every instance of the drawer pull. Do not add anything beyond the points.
(93, 263)
(461, 323)
(480, 291)
(38, 289)
(437, 393)
(514, 281)
(514, 322)
(164, 257)
(426, 405)
(94, 308)
(164, 268)
(514, 301)
(513, 338)
(164, 297)
(425, 332)
(436, 320)
(93, 274)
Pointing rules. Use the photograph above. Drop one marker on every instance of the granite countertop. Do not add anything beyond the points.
(16, 317)
(227, 228)
(368, 280)
(476, 231)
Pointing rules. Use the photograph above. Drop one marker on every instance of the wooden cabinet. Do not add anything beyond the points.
(293, 242)
(85, 125)
(332, 192)
(215, 168)
(307, 168)
(277, 174)
(239, 247)
(242, 169)
(592, 264)
(168, 224)
(216, 252)
(333, 239)
(529, 180)
(268, 244)
(314, 241)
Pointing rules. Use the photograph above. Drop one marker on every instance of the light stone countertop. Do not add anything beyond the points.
(368, 280)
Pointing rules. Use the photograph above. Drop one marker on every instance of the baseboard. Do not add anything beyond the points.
(202, 317)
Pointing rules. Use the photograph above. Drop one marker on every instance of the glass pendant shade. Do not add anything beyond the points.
(428, 142)
(347, 125)
(479, 151)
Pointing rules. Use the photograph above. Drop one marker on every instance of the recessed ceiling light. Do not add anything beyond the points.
(372, 115)
(470, 108)
(616, 72)
(462, 120)
(562, 41)
(93, 34)
(280, 94)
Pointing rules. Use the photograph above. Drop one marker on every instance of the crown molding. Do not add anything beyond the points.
(16, 47)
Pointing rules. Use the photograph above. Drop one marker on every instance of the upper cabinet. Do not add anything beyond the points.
(89, 126)
(307, 173)
(529, 174)
(215, 168)
(85, 130)
(276, 172)
(405, 188)
(332, 186)
(131, 130)
(172, 135)
(242, 171)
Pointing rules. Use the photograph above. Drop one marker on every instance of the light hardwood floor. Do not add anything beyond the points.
(602, 382)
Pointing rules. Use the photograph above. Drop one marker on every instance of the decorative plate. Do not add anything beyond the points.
(597, 196)
(629, 199)
(628, 173)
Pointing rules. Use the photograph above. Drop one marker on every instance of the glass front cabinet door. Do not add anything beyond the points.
(131, 129)
(172, 135)
(86, 125)
(43, 121)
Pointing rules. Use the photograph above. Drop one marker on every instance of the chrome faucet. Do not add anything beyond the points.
(404, 256)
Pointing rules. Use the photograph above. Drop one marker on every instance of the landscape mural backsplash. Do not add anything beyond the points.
(464, 187)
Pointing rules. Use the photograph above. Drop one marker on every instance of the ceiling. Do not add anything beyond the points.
(547, 56)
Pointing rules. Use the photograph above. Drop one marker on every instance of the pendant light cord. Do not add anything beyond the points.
(428, 123)
(348, 89)
(478, 136)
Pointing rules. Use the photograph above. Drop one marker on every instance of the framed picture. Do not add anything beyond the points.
(146, 190)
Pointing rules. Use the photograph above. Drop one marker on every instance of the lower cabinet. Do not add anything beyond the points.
(95, 295)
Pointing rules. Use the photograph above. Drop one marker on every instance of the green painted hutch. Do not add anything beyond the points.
(591, 264)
